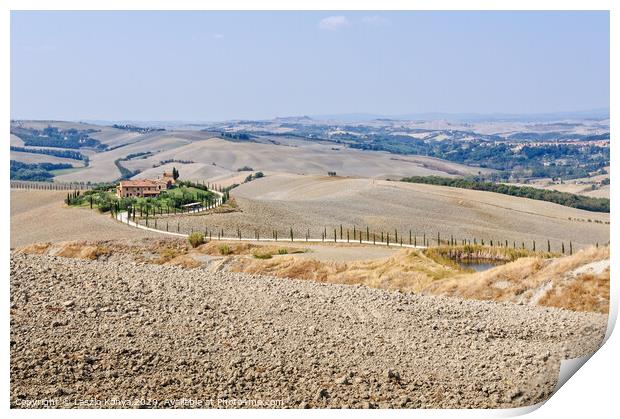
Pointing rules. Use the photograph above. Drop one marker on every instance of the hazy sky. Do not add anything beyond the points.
(224, 65)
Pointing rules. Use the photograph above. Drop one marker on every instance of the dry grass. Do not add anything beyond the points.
(538, 278)
(408, 270)
(447, 254)
(36, 249)
(555, 282)
(218, 248)
(185, 261)
(584, 293)
(74, 250)
(167, 254)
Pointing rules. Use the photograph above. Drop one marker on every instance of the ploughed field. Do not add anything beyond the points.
(119, 329)
(282, 201)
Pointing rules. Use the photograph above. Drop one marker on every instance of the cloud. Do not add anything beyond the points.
(376, 21)
(218, 36)
(333, 23)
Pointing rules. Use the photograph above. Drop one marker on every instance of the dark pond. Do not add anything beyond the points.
(479, 265)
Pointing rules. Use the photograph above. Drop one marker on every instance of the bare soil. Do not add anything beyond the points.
(89, 332)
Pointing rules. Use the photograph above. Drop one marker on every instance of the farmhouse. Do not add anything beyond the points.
(144, 187)
(141, 188)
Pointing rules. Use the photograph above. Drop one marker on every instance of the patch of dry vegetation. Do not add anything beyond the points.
(447, 254)
(584, 293)
(74, 250)
(577, 282)
(36, 249)
(219, 248)
(408, 270)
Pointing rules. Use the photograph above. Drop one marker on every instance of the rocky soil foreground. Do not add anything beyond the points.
(118, 334)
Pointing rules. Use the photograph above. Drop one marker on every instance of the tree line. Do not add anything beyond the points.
(67, 154)
(53, 137)
(35, 171)
(563, 198)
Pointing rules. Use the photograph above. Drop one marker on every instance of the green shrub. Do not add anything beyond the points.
(282, 251)
(225, 249)
(196, 239)
(261, 255)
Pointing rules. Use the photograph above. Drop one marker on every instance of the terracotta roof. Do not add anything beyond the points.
(145, 183)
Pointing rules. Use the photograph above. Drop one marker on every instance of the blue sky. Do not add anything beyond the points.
(226, 65)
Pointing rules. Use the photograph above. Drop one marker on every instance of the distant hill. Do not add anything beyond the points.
(469, 117)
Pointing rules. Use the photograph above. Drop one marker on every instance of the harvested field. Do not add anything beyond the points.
(41, 216)
(216, 159)
(102, 167)
(96, 330)
(314, 202)
(302, 158)
(16, 141)
(43, 158)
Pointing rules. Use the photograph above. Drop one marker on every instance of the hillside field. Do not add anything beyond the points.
(282, 201)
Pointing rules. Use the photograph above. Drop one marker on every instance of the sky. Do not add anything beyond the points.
(211, 66)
